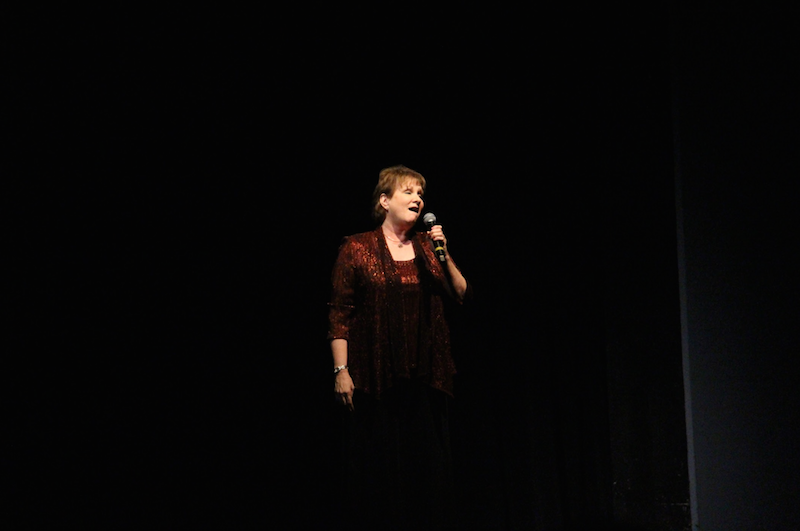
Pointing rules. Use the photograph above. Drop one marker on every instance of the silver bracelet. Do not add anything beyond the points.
(340, 368)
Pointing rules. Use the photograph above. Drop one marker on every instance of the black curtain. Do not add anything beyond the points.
(192, 181)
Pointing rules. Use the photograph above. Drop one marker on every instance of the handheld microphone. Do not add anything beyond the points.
(429, 219)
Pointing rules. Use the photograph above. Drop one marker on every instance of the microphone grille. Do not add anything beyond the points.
(429, 219)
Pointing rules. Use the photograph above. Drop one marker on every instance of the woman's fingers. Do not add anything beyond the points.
(344, 389)
(346, 399)
(436, 233)
(349, 401)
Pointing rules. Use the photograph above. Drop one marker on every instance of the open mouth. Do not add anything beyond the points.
(414, 209)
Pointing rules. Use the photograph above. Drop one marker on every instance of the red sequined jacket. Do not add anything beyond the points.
(368, 310)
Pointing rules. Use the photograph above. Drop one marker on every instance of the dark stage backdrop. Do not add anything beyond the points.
(192, 177)
(735, 94)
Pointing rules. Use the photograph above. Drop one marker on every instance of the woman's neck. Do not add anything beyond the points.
(394, 232)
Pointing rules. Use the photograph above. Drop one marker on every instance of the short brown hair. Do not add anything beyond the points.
(389, 180)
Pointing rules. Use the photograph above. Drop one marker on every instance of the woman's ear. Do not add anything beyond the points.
(384, 201)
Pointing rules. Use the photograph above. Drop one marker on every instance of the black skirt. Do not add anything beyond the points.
(396, 460)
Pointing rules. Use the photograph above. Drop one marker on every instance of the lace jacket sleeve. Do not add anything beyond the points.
(341, 305)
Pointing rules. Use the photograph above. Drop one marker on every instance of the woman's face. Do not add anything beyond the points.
(405, 205)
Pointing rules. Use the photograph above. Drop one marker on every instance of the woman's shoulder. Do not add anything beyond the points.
(360, 243)
(360, 239)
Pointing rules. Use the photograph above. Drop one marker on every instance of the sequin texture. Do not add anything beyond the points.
(392, 314)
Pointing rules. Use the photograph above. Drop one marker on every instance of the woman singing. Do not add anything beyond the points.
(393, 367)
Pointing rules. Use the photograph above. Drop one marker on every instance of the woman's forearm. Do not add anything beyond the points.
(339, 351)
(457, 280)
(343, 384)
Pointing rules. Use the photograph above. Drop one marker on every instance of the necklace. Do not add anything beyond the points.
(400, 243)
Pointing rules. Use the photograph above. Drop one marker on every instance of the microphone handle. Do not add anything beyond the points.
(438, 248)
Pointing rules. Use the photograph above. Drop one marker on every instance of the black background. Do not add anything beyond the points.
(186, 178)
(736, 122)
